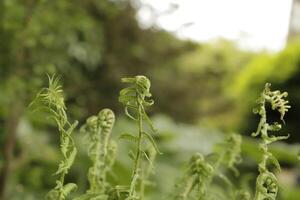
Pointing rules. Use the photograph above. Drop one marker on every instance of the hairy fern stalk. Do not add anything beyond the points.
(266, 182)
(51, 99)
(101, 151)
(135, 99)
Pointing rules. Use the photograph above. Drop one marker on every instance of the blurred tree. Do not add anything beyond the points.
(191, 89)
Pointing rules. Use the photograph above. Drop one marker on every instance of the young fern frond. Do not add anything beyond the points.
(101, 151)
(201, 173)
(266, 182)
(135, 99)
(198, 175)
(52, 100)
(231, 152)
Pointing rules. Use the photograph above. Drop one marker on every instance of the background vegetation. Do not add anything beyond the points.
(202, 92)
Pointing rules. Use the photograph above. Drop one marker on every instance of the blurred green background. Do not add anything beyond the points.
(202, 91)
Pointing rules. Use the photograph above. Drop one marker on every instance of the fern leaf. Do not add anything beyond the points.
(128, 137)
(152, 141)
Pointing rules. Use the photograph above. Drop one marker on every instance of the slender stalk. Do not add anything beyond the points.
(139, 143)
(136, 169)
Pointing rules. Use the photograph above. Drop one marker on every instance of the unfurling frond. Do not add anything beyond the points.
(101, 152)
(197, 178)
(232, 152)
(52, 99)
(276, 98)
(135, 98)
(266, 182)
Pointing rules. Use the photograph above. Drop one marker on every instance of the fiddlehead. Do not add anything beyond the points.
(52, 100)
(201, 173)
(135, 99)
(197, 177)
(229, 155)
(101, 151)
(232, 152)
(266, 182)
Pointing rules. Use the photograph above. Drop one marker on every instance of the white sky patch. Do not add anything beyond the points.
(254, 24)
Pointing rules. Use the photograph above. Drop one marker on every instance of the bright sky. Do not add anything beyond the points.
(255, 24)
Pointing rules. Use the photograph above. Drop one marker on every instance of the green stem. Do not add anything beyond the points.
(138, 151)
(264, 147)
(94, 185)
(104, 146)
(188, 188)
(62, 180)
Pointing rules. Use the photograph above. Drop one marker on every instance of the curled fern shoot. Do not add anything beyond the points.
(101, 152)
(230, 152)
(266, 182)
(197, 177)
(200, 173)
(51, 99)
(136, 98)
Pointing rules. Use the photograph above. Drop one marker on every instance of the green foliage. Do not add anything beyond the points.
(135, 99)
(267, 183)
(52, 100)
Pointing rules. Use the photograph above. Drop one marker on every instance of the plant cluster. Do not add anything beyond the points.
(203, 173)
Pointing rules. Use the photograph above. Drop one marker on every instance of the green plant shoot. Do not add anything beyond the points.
(102, 152)
(135, 99)
(51, 99)
(266, 182)
(200, 173)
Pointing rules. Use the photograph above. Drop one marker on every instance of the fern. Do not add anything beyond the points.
(266, 182)
(101, 151)
(197, 177)
(51, 99)
(200, 173)
(135, 99)
(230, 153)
